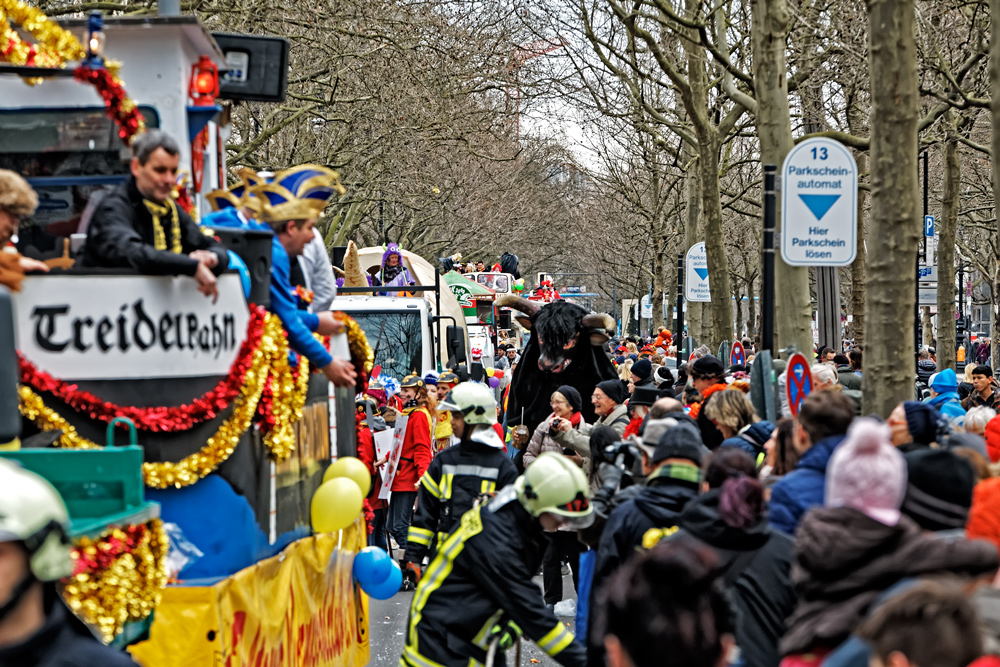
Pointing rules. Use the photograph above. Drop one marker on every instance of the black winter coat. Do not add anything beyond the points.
(925, 369)
(484, 568)
(455, 478)
(120, 236)
(758, 563)
(657, 507)
(844, 560)
(63, 641)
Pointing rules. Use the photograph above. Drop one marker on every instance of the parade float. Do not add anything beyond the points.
(194, 542)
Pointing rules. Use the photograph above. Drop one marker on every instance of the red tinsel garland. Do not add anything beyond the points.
(108, 549)
(264, 419)
(160, 418)
(120, 108)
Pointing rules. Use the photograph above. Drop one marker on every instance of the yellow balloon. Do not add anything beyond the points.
(489, 372)
(335, 505)
(352, 468)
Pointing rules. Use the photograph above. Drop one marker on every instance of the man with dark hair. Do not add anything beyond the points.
(821, 426)
(982, 383)
(138, 225)
(290, 206)
(671, 461)
(932, 623)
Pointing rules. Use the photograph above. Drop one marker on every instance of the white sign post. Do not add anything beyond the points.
(819, 204)
(646, 307)
(696, 274)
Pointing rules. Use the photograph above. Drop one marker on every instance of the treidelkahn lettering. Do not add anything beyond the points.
(56, 330)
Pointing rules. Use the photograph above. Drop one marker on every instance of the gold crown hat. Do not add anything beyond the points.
(238, 196)
(299, 193)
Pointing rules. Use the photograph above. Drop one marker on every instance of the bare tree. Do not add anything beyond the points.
(895, 212)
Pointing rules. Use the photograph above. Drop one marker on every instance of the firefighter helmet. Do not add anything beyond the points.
(473, 401)
(32, 512)
(554, 484)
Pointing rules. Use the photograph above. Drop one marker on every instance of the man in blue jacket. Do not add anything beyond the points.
(290, 206)
(944, 396)
(821, 426)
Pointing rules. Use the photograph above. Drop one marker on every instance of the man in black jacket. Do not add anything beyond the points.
(479, 583)
(459, 474)
(673, 475)
(138, 225)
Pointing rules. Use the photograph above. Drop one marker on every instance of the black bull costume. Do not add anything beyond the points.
(565, 347)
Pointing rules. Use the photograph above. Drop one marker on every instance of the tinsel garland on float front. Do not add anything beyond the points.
(219, 447)
(362, 355)
(270, 389)
(118, 577)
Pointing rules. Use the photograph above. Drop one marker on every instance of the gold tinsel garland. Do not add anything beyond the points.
(54, 47)
(128, 588)
(272, 348)
(289, 398)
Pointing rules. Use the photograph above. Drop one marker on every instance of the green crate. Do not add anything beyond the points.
(99, 486)
(92, 482)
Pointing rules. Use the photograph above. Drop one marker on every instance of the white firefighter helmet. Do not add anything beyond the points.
(554, 484)
(32, 512)
(473, 401)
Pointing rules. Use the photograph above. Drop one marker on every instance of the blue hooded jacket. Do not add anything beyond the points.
(947, 401)
(803, 488)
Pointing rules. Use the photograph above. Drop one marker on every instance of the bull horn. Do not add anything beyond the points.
(599, 321)
(529, 308)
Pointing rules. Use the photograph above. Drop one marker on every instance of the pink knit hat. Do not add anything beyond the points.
(867, 473)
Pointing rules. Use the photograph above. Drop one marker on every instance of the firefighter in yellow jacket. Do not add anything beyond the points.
(479, 583)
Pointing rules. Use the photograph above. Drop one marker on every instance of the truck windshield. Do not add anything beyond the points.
(399, 349)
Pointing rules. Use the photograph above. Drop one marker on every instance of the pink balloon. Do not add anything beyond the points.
(494, 382)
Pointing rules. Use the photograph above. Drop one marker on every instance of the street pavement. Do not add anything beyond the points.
(387, 624)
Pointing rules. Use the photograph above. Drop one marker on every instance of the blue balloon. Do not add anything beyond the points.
(372, 566)
(387, 588)
(236, 262)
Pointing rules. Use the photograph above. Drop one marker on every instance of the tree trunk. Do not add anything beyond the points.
(895, 213)
(739, 310)
(752, 328)
(995, 117)
(715, 248)
(693, 234)
(792, 311)
(858, 280)
(927, 326)
(947, 231)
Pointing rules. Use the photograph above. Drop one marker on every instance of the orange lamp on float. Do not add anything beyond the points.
(204, 86)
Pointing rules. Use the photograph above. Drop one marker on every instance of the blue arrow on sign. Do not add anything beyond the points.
(702, 273)
(819, 204)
